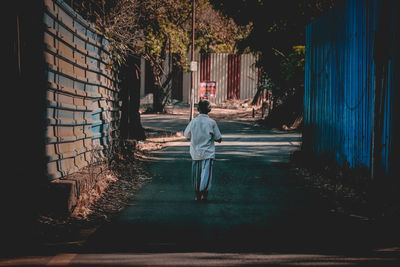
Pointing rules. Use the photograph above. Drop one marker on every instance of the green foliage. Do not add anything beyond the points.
(215, 32)
(277, 35)
(293, 67)
(156, 29)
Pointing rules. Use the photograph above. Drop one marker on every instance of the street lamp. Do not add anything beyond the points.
(193, 64)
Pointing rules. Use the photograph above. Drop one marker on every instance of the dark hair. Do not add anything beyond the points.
(204, 106)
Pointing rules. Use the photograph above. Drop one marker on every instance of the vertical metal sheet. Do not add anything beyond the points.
(230, 76)
(213, 67)
(224, 77)
(249, 76)
(197, 57)
(235, 74)
(340, 85)
(186, 87)
(205, 67)
(218, 74)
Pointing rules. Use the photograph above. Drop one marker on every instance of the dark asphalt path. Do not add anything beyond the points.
(258, 214)
(255, 205)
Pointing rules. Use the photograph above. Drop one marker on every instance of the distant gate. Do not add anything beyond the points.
(236, 76)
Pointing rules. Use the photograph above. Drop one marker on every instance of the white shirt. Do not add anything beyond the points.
(202, 132)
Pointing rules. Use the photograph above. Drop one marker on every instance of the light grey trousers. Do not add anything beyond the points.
(202, 174)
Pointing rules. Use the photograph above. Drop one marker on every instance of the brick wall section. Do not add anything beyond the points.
(81, 101)
(82, 112)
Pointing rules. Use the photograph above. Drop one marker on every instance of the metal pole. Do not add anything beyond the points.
(192, 59)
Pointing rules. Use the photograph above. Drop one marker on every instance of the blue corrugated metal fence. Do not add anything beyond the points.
(341, 81)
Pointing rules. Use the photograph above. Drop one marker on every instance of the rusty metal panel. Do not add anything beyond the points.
(340, 85)
(234, 76)
(204, 67)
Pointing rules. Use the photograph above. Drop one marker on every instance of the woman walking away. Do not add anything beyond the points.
(202, 131)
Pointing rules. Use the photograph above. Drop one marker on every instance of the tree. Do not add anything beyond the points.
(158, 29)
(277, 35)
(155, 30)
(130, 125)
(217, 33)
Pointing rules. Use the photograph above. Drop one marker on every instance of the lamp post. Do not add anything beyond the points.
(193, 65)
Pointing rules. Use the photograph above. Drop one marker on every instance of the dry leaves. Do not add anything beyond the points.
(87, 198)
